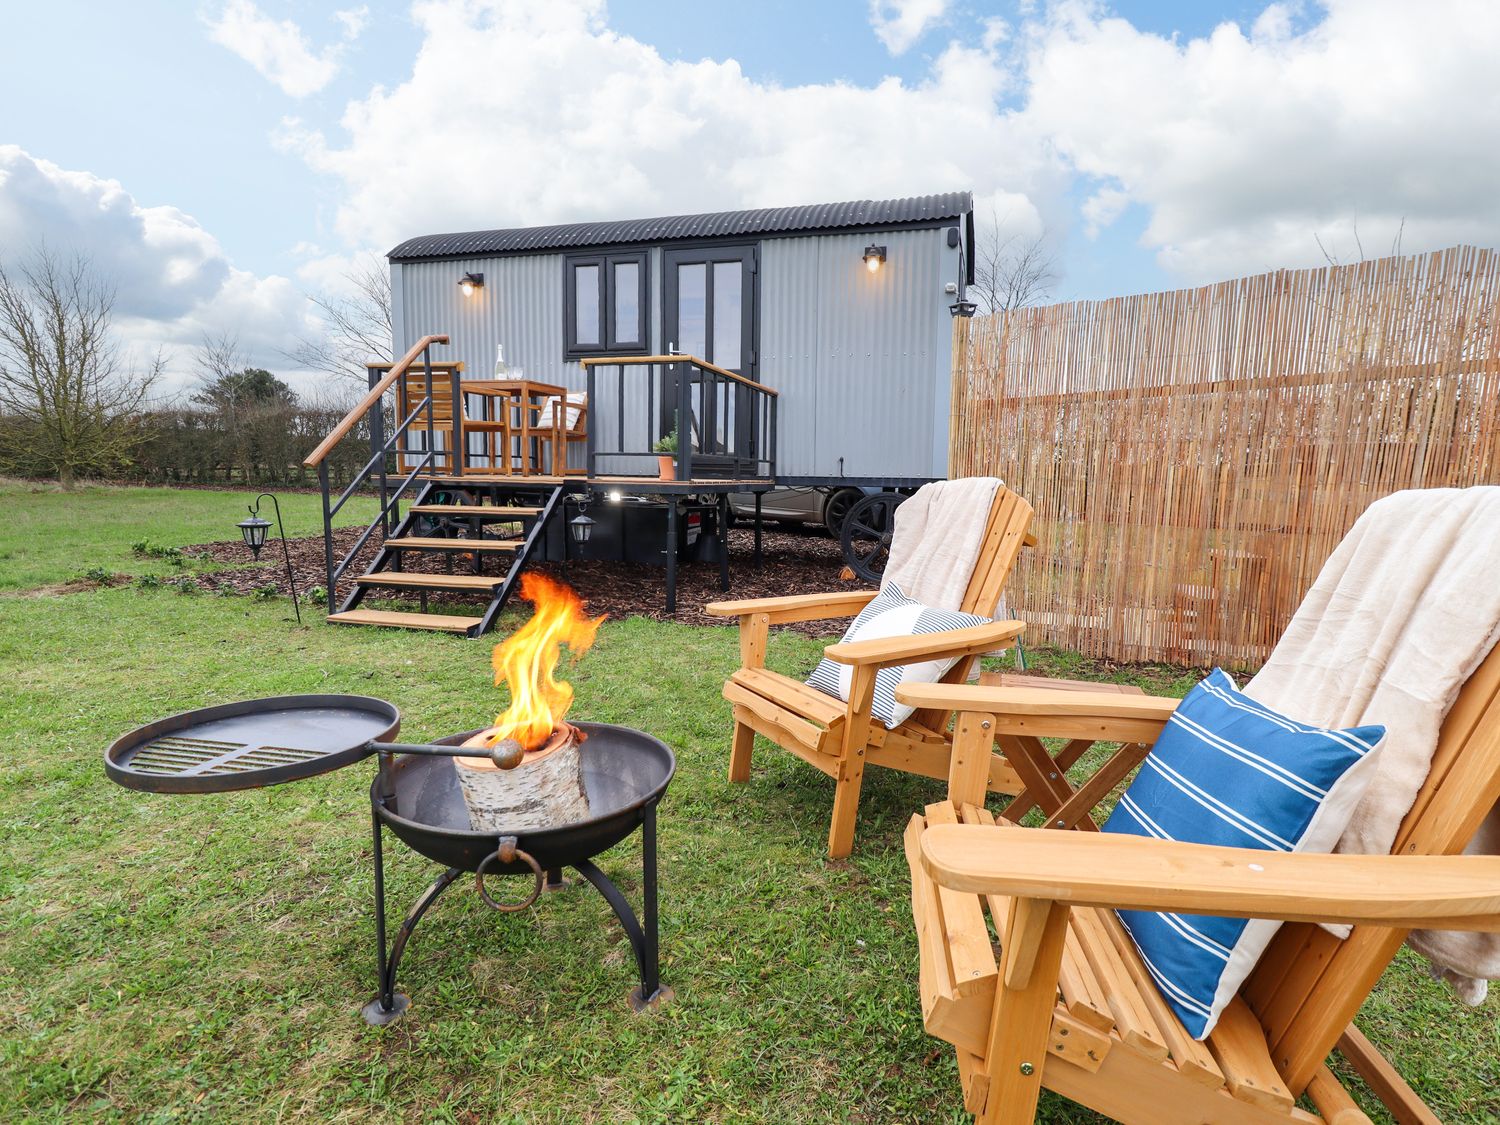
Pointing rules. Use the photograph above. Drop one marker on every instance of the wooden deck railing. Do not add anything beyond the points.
(725, 423)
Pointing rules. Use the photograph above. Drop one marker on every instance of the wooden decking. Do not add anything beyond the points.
(630, 484)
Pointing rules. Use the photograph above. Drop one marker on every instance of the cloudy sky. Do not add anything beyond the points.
(223, 159)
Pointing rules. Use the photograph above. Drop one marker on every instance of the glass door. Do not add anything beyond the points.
(709, 312)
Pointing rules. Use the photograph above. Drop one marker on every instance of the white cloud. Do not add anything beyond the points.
(353, 19)
(173, 281)
(1241, 147)
(900, 23)
(278, 49)
(572, 121)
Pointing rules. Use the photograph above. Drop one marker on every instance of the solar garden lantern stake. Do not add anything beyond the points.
(580, 527)
(254, 531)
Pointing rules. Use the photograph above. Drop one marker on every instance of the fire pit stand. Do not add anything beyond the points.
(416, 795)
(420, 801)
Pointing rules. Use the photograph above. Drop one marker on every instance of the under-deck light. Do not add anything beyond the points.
(874, 256)
(470, 282)
(614, 495)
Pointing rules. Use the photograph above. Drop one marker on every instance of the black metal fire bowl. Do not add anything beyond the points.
(624, 771)
(417, 796)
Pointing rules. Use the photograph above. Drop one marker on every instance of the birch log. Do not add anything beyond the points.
(545, 791)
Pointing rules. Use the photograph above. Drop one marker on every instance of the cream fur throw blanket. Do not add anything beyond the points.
(939, 531)
(1401, 614)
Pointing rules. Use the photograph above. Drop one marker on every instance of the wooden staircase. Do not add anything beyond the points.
(483, 533)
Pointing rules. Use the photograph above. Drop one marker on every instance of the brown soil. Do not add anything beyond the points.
(793, 563)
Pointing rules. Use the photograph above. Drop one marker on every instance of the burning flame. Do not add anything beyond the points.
(527, 661)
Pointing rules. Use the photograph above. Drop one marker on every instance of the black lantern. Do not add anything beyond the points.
(581, 528)
(254, 532)
(874, 256)
(963, 309)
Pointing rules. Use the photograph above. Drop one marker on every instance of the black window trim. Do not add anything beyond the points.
(606, 260)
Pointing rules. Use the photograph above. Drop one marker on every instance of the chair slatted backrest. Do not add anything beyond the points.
(1005, 533)
(1309, 985)
(1004, 536)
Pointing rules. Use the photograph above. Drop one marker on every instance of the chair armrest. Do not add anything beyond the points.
(1459, 892)
(797, 607)
(885, 652)
(1041, 702)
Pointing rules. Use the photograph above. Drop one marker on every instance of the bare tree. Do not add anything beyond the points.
(63, 382)
(1011, 271)
(356, 326)
(1334, 259)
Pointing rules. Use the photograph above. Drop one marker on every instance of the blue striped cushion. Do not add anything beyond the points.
(892, 614)
(1230, 771)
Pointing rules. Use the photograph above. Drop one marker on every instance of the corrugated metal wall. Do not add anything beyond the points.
(861, 360)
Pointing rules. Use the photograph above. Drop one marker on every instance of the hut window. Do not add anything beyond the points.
(605, 303)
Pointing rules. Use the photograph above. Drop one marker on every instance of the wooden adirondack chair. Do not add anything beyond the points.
(842, 738)
(1070, 1005)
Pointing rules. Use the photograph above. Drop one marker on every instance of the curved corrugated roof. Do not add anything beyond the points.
(718, 224)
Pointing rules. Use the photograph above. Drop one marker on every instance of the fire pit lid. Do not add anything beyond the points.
(252, 743)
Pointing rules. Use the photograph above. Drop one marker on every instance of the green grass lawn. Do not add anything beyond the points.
(49, 536)
(203, 958)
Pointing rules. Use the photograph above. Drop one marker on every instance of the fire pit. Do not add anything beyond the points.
(567, 791)
(417, 796)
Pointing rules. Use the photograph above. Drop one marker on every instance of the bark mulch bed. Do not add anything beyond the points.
(793, 563)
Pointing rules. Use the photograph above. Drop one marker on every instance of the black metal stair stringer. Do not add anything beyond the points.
(385, 556)
(518, 563)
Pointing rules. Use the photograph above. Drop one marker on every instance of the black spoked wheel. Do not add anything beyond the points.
(840, 502)
(866, 537)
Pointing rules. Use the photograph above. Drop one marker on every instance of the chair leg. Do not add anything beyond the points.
(846, 804)
(1023, 1010)
(739, 752)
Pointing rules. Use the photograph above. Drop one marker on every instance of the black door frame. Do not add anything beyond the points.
(748, 254)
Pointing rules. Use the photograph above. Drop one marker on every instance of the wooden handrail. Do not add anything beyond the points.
(339, 432)
(638, 360)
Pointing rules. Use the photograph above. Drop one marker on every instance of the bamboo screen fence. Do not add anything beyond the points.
(1194, 456)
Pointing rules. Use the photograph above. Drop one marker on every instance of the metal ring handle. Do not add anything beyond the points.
(507, 852)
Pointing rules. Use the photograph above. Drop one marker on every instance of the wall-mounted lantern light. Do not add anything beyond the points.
(874, 257)
(963, 309)
(470, 282)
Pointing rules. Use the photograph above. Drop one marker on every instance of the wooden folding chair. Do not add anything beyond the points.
(1070, 1005)
(838, 738)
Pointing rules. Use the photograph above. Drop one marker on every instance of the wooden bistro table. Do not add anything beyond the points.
(511, 414)
(1045, 775)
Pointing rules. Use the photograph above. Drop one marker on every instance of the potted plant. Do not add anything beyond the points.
(666, 451)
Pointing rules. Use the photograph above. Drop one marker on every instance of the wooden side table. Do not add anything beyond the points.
(1046, 776)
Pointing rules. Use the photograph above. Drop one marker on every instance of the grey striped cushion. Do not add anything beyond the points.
(892, 614)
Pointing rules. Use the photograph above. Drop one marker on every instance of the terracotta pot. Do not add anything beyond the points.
(667, 465)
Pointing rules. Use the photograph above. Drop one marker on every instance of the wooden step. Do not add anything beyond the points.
(471, 511)
(421, 543)
(411, 579)
(440, 621)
